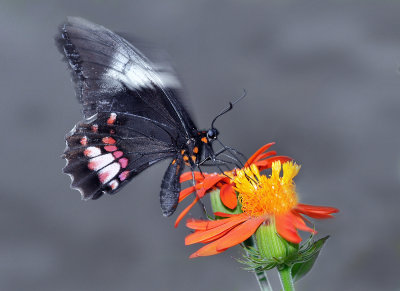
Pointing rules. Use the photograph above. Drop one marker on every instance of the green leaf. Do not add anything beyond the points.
(299, 270)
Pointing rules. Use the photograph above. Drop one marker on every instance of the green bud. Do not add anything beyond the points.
(271, 246)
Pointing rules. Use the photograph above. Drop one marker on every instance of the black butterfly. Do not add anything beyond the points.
(133, 116)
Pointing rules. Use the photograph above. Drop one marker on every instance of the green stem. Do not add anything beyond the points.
(262, 277)
(285, 273)
(262, 280)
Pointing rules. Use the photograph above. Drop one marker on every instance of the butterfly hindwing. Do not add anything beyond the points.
(109, 150)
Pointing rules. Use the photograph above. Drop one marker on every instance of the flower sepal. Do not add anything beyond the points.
(272, 251)
(307, 255)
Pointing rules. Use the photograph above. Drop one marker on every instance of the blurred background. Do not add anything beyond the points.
(322, 81)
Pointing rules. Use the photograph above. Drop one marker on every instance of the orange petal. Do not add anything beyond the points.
(228, 196)
(264, 155)
(214, 238)
(187, 176)
(239, 233)
(206, 234)
(223, 214)
(260, 150)
(210, 181)
(299, 223)
(207, 250)
(185, 211)
(197, 224)
(286, 229)
(319, 212)
(186, 192)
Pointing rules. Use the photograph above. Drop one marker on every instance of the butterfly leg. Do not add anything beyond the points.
(203, 207)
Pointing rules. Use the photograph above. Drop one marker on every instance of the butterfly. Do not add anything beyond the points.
(133, 116)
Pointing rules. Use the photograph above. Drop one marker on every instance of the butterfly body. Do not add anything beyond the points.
(133, 116)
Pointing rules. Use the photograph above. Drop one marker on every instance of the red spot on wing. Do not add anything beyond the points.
(110, 148)
(112, 118)
(84, 141)
(108, 140)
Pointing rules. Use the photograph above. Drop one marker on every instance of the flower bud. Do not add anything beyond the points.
(271, 246)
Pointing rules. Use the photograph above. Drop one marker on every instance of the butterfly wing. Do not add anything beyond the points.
(133, 115)
(105, 67)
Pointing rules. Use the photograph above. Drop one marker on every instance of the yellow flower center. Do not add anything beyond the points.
(261, 195)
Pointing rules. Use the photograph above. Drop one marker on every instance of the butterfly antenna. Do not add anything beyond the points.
(229, 108)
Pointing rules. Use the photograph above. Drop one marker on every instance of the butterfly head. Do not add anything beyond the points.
(212, 134)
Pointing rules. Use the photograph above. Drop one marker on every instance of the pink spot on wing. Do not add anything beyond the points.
(112, 131)
(92, 152)
(112, 118)
(93, 165)
(118, 154)
(123, 175)
(99, 162)
(108, 140)
(103, 176)
(95, 128)
(110, 148)
(83, 141)
(109, 172)
(123, 162)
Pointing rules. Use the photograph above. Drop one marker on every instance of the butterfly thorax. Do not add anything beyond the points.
(199, 147)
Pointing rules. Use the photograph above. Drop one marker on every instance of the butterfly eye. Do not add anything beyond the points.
(212, 133)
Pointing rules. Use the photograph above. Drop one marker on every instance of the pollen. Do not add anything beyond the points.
(264, 196)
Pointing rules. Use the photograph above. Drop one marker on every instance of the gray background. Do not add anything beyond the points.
(322, 81)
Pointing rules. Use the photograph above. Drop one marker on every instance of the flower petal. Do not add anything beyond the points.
(199, 236)
(263, 156)
(207, 250)
(185, 211)
(228, 196)
(285, 228)
(260, 150)
(198, 224)
(186, 192)
(319, 212)
(223, 214)
(211, 180)
(187, 176)
(239, 233)
(299, 223)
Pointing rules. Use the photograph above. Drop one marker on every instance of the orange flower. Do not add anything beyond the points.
(207, 182)
(264, 199)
